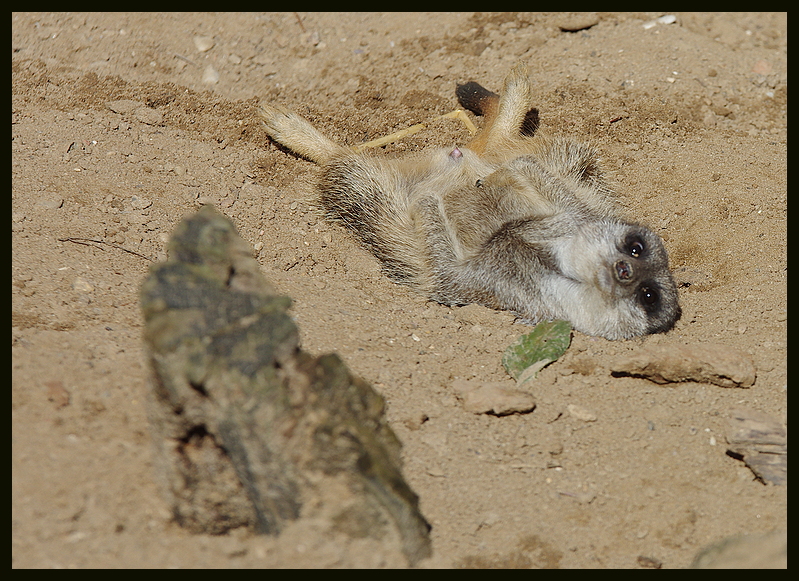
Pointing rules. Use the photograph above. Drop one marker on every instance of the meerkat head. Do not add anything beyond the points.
(626, 269)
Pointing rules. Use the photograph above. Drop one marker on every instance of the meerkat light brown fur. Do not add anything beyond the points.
(513, 220)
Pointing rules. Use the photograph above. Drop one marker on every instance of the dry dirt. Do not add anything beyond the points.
(692, 120)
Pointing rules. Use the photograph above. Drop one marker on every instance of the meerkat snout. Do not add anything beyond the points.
(623, 270)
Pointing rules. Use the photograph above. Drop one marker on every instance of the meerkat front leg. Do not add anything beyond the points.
(294, 132)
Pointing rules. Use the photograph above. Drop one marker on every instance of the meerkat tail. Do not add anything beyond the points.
(295, 133)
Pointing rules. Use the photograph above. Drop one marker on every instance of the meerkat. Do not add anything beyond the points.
(514, 220)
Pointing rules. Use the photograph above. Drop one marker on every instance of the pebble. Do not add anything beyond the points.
(57, 394)
(204, 43)
(493, 398)
(667, 19)
(178, 170)
(210, 76)
(574, 21)
(50, 203)
(581, 413)
(123, 106)
(138, 203)
(311, 38)
(649, 562)
(149, 116)
(82, 285)
(717, 364)
(762, 68)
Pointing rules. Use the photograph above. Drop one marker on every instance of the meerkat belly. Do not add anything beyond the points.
(478, 210)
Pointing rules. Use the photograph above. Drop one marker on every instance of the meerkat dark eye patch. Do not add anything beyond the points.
(634, 246)
(649, 297)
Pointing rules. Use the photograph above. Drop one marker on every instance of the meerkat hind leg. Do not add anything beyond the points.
(507, 116)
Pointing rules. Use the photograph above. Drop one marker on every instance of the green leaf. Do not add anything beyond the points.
(542, 346)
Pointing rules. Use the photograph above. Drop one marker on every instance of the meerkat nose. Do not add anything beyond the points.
(623, 270)
(456, 153)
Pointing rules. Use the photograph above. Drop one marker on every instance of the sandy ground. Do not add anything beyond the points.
(691, 118)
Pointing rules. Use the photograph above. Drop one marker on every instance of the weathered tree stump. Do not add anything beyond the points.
(249, 430)
(761, 442)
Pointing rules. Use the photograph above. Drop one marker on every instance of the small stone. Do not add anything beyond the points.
(762, 68)
(717, 364)
(149, 116)
(138, 203)
(123, 106)
(494, 398)
(228, 200)
(435, 69)
(50, 203)
(82, 286)
(649, 562)
(575, 21)
(581, 413)
(667, 19)
(204, 43)
(57, 394)
(266, 59)
(311, 38)
(210, 76)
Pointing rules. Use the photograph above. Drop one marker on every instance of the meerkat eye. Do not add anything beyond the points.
(479, 183)
(636, 249)
(648, 296)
